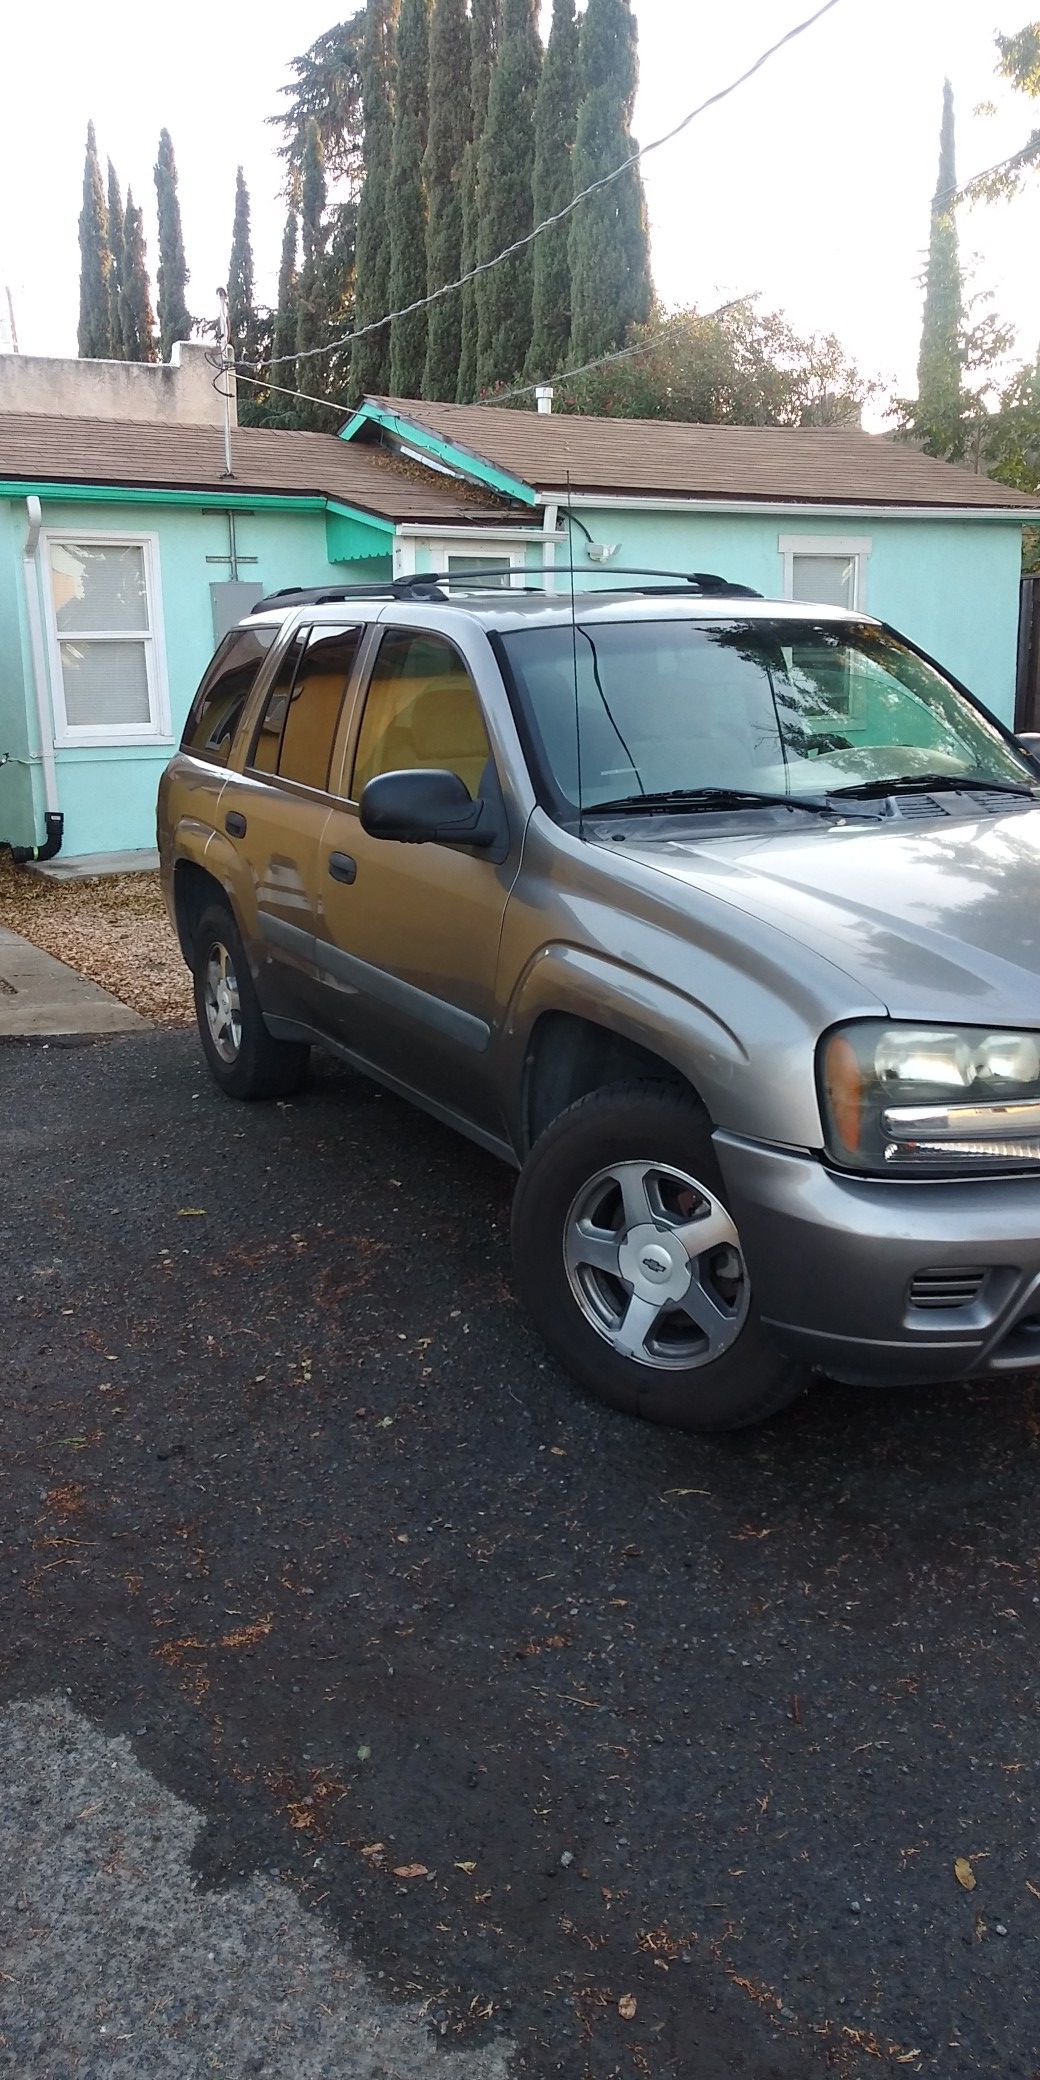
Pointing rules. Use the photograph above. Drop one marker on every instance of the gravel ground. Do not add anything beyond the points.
(649, 1755)
(113, 929)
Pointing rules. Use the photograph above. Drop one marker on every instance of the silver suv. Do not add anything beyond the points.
(718, 917)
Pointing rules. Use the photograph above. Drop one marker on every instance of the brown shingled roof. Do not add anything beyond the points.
(36, 448)
(777, 464)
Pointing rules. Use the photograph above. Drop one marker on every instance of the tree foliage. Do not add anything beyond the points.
(370, 358)
(326, 89)
(312, 328)
(240, 290)
(115, 250)
(485, 37)
(742, 368)
(136, 318)
(172, 273)
(505, 205)
(446, 146)
(555, 124)
(938, 410)
(408, 198)
(608, 242)
(95, 261)
(280, 410)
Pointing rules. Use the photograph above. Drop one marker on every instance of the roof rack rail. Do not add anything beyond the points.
(427, 585)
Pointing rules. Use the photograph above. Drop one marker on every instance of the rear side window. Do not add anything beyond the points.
(217, 708)
(298, 727)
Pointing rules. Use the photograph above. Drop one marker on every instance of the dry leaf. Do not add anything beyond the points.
(188, 1213)
(410, 1870)
(964, 1874)
(372, 1849)
(1034, 1889)
(467, 1867)
(626, 2006)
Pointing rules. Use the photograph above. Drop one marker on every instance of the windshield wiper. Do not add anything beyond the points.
(932, 783)
(694, 798)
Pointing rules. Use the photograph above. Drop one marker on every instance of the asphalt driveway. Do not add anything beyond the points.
(429, 1719)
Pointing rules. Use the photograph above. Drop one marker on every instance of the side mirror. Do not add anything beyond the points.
(427, 808)
(1029, 742)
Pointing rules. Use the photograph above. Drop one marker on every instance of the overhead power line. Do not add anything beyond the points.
(559, 216)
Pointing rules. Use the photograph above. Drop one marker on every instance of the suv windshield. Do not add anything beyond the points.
(785, 707)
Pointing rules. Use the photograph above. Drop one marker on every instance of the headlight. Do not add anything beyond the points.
(908, 1098)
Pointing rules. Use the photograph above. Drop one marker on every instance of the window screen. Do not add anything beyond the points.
(422, 711)
(829, 581)
(298, 727)
(217, 708)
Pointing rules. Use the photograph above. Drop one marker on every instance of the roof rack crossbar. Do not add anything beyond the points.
(426, 585)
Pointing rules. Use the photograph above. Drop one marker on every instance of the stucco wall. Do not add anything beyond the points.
(108, 793)
(950, 585)
(179, 392)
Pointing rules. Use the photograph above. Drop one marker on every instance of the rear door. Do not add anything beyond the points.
(408, 935)
(274, 809)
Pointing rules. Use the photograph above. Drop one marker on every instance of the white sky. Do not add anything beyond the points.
(811, 185)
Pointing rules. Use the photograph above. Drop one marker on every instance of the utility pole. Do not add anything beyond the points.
(227, 370)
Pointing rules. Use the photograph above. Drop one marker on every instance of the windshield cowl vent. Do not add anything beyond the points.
(921, 808)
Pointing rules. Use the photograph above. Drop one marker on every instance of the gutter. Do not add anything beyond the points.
(803, 509)
(54, 821)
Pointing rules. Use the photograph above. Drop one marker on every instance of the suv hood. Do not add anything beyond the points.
(941, 922)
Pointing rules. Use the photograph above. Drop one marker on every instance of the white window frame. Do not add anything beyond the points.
(855, 547)
(158, 728)
(476, 548)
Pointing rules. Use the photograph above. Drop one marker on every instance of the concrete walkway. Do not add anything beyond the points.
(39, 996)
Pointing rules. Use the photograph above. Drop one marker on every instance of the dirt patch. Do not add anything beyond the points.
(112, 928)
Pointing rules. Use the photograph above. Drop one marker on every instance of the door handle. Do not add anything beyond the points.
(342, 867)
(235, 823)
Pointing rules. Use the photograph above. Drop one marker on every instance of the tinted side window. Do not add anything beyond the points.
(298, 726)
(422, 711)
(217, 708)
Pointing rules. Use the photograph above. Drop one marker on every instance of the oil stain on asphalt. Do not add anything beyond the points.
(436, 1702)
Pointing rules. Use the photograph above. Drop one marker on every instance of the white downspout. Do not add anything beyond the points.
(34, 514)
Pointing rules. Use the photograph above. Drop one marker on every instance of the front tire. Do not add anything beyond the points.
(629, 1261)
(243, 1057)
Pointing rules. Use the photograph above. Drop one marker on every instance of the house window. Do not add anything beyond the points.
(492, 573)
(106, 646)
(829, 570)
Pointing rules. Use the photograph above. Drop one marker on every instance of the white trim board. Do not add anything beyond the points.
(796, 509)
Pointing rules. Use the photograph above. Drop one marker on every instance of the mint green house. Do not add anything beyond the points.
(126, 549)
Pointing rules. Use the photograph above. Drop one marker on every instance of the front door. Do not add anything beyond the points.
(408, 935)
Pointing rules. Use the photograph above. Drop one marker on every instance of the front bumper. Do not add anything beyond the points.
(834, 1261)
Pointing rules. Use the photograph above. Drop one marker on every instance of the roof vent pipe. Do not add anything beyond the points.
(544, 396)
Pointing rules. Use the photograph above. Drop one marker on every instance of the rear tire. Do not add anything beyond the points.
(662, 1327)
(243, 1057)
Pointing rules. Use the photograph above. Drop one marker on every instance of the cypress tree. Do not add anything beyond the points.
(408, 198)
(505, 206)
(283, 343)
(608, 244)
(370, 357)
(555, 122)
(939, 401)
(174, 321)
(115, 245)
(311, 328)
(485, 35)
(241, 311)
(449, 134)
(95, 260)
(137, 322)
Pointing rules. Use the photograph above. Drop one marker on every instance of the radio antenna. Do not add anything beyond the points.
(574, 659)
